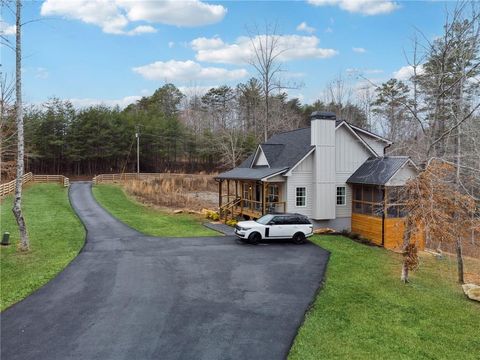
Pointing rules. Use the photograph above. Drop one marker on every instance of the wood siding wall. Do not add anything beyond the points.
(370, 227)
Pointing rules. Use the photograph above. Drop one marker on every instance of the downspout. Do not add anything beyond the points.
(385, 149)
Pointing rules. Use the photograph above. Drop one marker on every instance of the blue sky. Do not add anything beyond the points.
(117, 50)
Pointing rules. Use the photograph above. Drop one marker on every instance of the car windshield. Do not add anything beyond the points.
(265, 219)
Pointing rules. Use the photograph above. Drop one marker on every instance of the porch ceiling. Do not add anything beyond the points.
(250, 173)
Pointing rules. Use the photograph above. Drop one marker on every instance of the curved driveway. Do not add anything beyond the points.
(131, 296)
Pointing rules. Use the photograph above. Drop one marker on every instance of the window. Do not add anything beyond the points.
(278, 220)
(301, 197)
(341, 195)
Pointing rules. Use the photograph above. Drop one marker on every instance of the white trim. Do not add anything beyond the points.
(299, 161)
(296, 196)
(254, 156)
(371, 134)
(272, 175)
(359, 138)
(254, 160)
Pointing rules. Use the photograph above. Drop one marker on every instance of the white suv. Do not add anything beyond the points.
(275, 226)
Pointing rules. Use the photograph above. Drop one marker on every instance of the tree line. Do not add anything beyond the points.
(178, 132)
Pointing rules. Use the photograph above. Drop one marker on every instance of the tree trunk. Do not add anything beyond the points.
(406, 242)
(458, 249)
(17, 203)
(404, 276)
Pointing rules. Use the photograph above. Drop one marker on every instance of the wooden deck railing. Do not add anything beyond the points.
(9, 187)
(252, 208)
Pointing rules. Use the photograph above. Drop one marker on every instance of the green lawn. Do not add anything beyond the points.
(365, 312)
(56, 236)
(148, 220)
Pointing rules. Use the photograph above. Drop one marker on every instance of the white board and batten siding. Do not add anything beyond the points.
(301, 177)
(323, 138)
(350, 154)
(377, 145)
(338, 154)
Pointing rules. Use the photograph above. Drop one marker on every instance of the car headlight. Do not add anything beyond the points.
(243, 229)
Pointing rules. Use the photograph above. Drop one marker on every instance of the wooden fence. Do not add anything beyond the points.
(108, 178)
(9, 187)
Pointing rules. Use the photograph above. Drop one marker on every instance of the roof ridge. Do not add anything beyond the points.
(287, 131)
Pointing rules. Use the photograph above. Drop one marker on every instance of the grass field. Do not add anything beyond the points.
(146, 219)
(365, 312)
(56, 236)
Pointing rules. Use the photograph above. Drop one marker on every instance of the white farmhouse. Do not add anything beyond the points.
(333, 172)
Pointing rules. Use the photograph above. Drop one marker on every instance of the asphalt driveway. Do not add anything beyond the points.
(131, 296)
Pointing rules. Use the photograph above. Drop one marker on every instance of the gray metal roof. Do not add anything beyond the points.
(377, 171)
(257, 173)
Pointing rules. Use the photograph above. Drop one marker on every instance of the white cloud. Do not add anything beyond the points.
(142, 29)
(41, 73)
(365, 7)
(329, 30)
(406, 72)
(171, 44)
(7, 29)
(114, 16)
(359, 50)
(181, 71)
(292, 47)
(305, 27)
(203, 43)
(122, 103)
(188, 13)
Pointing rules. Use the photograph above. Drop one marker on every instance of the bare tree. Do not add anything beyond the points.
(433, 200)
(17, 203)
(267, 51)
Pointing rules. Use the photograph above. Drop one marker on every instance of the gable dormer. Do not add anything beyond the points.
(260, 160)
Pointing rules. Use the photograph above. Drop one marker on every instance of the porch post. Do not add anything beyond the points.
(228, 191)
(219, 194)
(264, 197)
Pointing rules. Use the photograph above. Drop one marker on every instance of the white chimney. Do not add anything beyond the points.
(324, 189)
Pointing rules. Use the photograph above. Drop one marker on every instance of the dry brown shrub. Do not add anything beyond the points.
(176, 190)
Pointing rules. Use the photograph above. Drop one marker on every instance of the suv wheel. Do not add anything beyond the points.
(299, 238)
(254, 238)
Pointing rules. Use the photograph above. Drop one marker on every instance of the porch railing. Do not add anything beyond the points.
(252, 208)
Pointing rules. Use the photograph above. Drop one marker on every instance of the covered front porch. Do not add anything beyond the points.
(251, 193)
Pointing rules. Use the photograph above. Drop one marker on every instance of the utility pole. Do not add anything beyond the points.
(137, 135)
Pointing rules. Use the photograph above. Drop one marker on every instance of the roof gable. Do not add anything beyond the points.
(287, 149)
(260, 158)
(378, 170)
